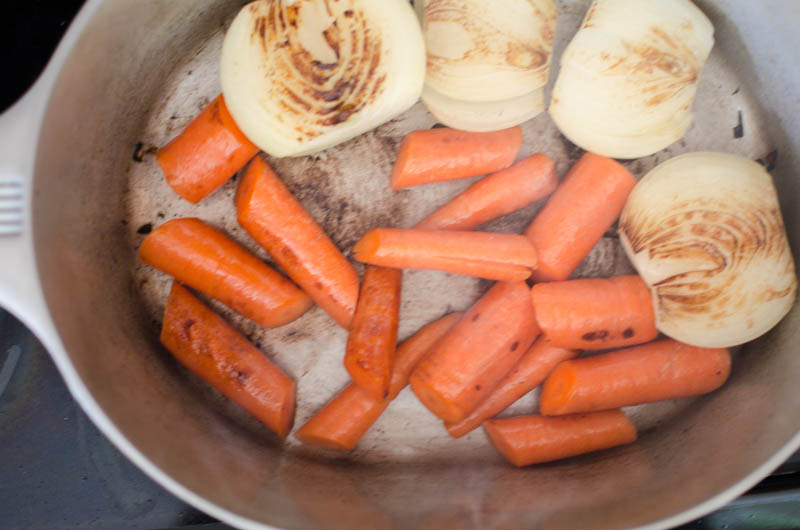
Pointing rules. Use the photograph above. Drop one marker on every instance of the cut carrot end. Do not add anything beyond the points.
(557, 390)
(321, 441)
(501, 443)
(367, 246)
(435, 402)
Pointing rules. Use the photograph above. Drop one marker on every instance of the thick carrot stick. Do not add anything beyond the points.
(269, 212)
(208, 346)
(342, 422)
(574, 219)
(469, 362)
(529, 372)
(498, 194)
(665, 369)
(436, 155)
(205, 259)
(505, 257)
(370, 346)
(206, 154)
(595, 313)
(527, 440)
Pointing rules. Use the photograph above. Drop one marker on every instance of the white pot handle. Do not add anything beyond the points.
(20, 292)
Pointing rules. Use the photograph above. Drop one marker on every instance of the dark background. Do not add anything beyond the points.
(58, 472)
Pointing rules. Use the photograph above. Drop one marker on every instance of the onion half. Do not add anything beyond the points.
(629, 76)
(488, 51)
(705, 232)
(300, 76)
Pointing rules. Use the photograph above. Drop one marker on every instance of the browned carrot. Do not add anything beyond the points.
(498, 194)
(370, 346)
(665, 369)
(469, 362)
(205, 259)
(530, 371)
(527, 440)
(208, 346)
(342, 422)
(595, 313)
(206, 154)
(276, 219)
(436, 155)
(574, 219)
(505, 257)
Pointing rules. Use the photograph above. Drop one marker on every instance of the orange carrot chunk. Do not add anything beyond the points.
(217, 353)
(205, 259)
(530, 371)
(269, 212)
(665, 369)
(436, 155)
(504, 257)
(206, 154)
(595, 313)
(470, 361)
(342, 422)
(527, 440)
(498, 194)
(574, 219)
(370, 346)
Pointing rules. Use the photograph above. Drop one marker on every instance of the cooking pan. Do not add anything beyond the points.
(80, 188)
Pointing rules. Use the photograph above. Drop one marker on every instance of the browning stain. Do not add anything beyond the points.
(319, 95)
(592, 336)
(186, 329)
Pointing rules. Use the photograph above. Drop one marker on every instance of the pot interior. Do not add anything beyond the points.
(142, 71)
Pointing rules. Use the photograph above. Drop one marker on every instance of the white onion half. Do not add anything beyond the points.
(300, 76)
(483, 116)
(481, 50)
(705, 232)
(629, 76)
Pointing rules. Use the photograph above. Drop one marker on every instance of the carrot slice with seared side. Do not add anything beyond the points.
(470, 361)
(436, 155)
(529, 372)
(574, 219)
(498, 194)
(205, 259)
(208, 346)
(370, 346)
(527, 440)
(505, 257)
(206, 154)
(344, 420)
(269, 212)
(595, 313)
(665, 369)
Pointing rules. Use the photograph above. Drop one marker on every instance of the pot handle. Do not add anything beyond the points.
(20, 292)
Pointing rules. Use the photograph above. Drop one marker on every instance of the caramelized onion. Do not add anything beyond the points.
(705, 232)
(629, 76)
(302, 75)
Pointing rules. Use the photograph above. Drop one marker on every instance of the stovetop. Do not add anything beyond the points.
(58, 471)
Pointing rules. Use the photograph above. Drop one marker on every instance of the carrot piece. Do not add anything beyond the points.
(370, 346)
(205, 259)
(527, 440)
(469, 362)
(206, 154)
(665, 369)
(342, 422)
(505, 257)
(595, 313)
(530, 371)
(208, 346)
(269, 212)
(498, 194)
(574, 219)
(436, 155)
